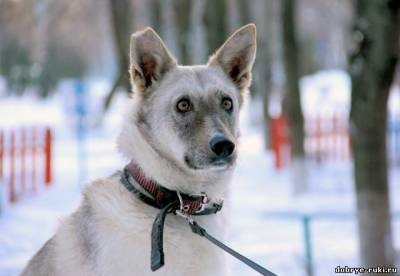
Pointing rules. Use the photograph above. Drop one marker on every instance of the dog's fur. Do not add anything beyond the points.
(109, 234)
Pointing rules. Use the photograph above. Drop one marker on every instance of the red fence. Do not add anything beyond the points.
(25, 161)
(280, 141)
(326, 139)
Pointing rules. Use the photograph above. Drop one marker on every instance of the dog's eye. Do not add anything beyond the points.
(183, 105)
(227, 104)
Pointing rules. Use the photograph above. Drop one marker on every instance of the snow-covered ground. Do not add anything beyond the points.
(266, 218)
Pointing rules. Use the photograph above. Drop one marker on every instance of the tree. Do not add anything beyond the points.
(292, 104)
(262, 14)
(121, 17)
(198, 37)
(182, 8)
(168, 26)
(215, 22)
(372, 67)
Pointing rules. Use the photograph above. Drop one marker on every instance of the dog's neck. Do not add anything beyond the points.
(134, 146)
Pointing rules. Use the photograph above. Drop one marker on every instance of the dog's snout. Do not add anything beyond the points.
(221, 146)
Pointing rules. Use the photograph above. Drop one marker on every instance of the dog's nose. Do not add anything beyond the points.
(221, 146)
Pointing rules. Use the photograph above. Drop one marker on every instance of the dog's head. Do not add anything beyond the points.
(189, 114)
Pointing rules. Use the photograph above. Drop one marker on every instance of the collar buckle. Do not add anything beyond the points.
(204, 202)
(185, 208)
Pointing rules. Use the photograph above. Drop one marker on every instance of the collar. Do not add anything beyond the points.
(151, 193)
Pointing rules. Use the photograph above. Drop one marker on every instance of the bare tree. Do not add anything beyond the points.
(144, 13)
(121, 17)
(198, 36)
(261, 14)
(372, 68)
(292, 104)
(168, 26)
(233, 15)
(215, 22)
(182, 8)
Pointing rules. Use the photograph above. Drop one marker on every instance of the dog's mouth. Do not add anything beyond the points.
(211, 163)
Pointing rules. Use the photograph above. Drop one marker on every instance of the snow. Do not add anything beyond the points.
(394, 101)
(325, 92)
(30, 111)
(266, 218)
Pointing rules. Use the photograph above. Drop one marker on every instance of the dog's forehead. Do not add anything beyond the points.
(199, 80)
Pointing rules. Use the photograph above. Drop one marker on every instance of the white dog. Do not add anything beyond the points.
(181, 134)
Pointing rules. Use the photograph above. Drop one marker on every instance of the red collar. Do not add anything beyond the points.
(159, 197)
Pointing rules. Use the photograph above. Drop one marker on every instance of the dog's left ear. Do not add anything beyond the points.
(150, 59)
(236, 56)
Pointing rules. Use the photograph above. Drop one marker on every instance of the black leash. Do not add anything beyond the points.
(157, 251)
(197, 229)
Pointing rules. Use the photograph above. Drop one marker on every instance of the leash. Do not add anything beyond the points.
(157, 252)
(183, 205)
(197, 229)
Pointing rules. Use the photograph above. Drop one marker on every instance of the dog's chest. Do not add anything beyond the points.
(128, 252)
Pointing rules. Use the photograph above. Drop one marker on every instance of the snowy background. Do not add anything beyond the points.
(267, 217)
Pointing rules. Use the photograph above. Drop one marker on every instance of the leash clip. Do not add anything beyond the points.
(184, 215)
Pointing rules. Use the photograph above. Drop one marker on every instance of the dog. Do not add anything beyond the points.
(181, 131)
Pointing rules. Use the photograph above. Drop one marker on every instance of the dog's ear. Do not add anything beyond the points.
(236, 56)
(150, 59)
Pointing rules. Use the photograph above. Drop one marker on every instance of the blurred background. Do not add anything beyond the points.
(317, 183)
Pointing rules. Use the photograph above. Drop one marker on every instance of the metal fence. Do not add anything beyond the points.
(306, 220)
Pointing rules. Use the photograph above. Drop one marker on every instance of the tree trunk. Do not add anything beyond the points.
(198, 36)
(120, 21)
(244, 8)
(372, 67)
(261, 12)
(168, 26)
(291, 103)
(143, 13)
(183, 8)
(233, 15)
(216, 25)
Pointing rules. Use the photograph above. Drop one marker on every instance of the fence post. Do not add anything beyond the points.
(47, 158)
(81, 101)
(12, 193)
(318, 139)
(33, 159)
(279, 140)
(22, 159)
(276, 142)
(307, 244)
(345, 139)
(336, 148)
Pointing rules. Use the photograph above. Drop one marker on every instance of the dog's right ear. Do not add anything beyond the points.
(150, 59)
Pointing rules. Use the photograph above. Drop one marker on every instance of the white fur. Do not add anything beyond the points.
(109, 234)
(123, 226)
